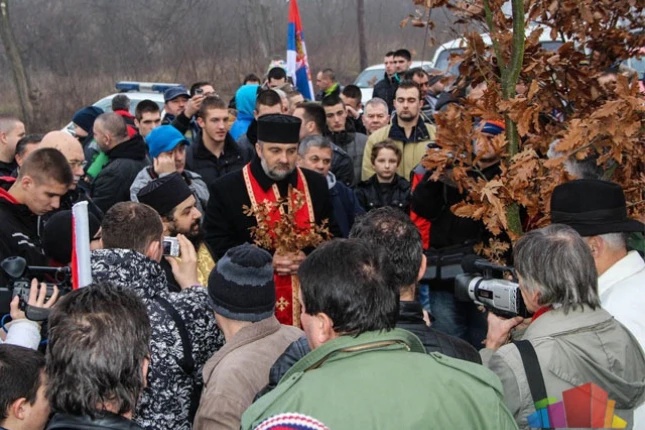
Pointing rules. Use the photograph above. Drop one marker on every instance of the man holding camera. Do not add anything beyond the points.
(570, 341)
(184, 332)
(177, 206)
(44, 178)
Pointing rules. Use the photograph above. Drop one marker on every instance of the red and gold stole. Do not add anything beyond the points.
(287, 307)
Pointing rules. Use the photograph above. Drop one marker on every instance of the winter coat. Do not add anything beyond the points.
(173, 390)
(201, 161)
(573, 349)
(193, 180)
(353, 144)
(18, 231)
(245, 102)
(411, 319)
(125, 161)
(106, 421)
(344, 204)
(235, 373)
(372, 194)
(413, 147)
(386, 89)
(386, 380)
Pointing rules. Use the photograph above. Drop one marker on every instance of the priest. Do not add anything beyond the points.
(268, 178)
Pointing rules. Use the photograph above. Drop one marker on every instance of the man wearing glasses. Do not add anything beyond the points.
(73, 152)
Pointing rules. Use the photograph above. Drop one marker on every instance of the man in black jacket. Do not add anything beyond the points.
(44, 178)
(386, 88)
(452, 237)
(126, 157)
(215, 153)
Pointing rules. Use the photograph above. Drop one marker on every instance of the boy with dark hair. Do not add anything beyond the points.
(23, 405)
(97, 358)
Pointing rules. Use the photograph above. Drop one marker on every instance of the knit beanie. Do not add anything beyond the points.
(56, 236)
(241, 285)
(291, 421)
(85, 117)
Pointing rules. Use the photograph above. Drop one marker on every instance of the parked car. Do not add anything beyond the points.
(136, 92)
(371, 75)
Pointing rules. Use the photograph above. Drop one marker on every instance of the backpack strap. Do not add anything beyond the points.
(532, 370)
(187, 363)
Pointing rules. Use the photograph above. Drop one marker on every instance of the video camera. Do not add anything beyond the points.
(21, 274)
(500, 296)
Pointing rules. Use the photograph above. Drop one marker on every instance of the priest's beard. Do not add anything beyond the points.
(195, 234)
(277, 173)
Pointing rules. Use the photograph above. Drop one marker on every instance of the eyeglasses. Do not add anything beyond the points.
(78, 163)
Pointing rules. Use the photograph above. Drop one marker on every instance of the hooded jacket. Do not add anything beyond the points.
(18, 231)
(573, 349)
(245, 102)
(125, 161)
(172, 394)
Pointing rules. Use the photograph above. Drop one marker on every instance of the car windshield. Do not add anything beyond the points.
(368, 78)
(443, 61)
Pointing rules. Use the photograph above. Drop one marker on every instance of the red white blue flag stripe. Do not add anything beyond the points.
(297, 63)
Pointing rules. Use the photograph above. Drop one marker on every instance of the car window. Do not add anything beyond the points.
(368, 78)
(443, 61)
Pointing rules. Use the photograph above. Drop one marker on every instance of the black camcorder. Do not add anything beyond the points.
(477, 284)
(21, 274)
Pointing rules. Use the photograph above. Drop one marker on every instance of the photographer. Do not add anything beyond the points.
(575, 341)
(22, 331)
(184, 332)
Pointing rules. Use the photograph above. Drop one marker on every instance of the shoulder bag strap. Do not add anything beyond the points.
(187, 363)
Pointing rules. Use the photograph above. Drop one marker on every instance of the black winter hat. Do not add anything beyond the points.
(279, 128)
(57, 235)
(241, 285)
(592, 207)
(165, 193)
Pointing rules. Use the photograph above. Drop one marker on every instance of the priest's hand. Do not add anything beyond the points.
(288, 263)
(184, 268)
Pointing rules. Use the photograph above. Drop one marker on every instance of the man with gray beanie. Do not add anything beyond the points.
(242, 296)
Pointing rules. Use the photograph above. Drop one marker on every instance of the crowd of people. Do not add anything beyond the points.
(188, 323)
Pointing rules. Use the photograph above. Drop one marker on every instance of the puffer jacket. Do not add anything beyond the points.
(172, 394)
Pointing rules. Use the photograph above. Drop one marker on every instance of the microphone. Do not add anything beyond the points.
(472, 263)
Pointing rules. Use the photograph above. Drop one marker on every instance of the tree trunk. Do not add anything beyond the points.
(510, 74)
(17, 68)
(362, 43)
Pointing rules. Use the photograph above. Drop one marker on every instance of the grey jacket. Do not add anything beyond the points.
(194, 181)
(574, 349)
(238, 371)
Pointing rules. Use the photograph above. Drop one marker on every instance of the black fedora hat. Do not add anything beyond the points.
(592, 207)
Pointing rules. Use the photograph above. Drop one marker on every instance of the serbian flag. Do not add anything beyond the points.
(81, 271)
(297, 64)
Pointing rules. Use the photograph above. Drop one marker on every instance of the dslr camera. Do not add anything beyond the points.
(21, 274)
(477, 284)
